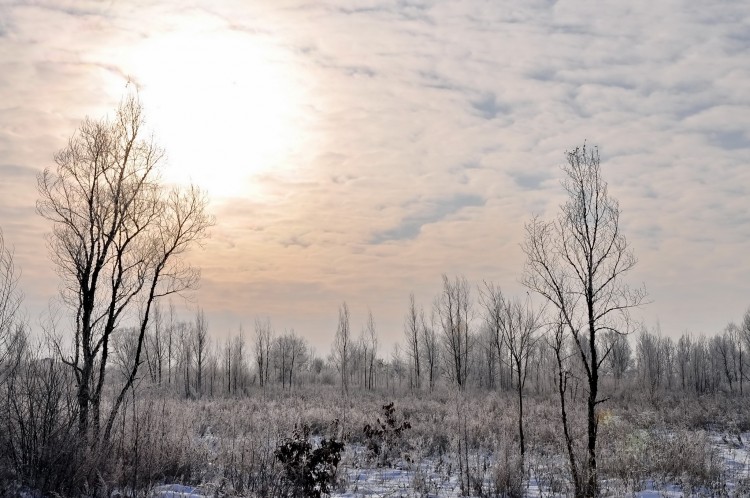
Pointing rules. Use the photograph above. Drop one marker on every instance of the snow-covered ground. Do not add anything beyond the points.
(432, 479)
(438, 478)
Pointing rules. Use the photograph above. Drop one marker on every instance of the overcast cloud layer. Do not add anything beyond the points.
(424, 135)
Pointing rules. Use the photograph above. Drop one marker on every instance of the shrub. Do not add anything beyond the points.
(308, 472)
(384, 438)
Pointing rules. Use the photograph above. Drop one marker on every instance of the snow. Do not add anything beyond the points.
(437, 478)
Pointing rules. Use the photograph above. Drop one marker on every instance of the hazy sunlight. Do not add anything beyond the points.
(221, 103)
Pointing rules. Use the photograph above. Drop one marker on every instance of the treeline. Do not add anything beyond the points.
(437, 350)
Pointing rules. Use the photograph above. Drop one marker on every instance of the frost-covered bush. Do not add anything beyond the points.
(385, 438)
(308, 471)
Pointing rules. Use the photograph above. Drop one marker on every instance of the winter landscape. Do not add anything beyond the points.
(387, 248)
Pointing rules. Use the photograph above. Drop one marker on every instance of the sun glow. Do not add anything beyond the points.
(223, 105)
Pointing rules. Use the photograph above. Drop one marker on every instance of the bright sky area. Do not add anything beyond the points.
(358, 150)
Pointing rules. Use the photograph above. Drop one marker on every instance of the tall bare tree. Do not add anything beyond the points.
(118, 237)
(577, 263)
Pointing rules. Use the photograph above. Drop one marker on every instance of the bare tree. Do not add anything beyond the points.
(684, 346)
(618, 360)
(117, 239)
(228, 365)
(342, 347)
(10, 303)
(519, 323)
(577, 263)
(156, 348)
(734, 337)
(288, 351)
(453, 306)
(170, 342)
(371, 342)
(431, 346)
(212, 366)
(556, 341)
(358, 361)
(512, 326)
(397, 367)
(411, 332)
(185, 354)
(200, 348)
(743, 331)
(234, 359)
(238, 373)
(263, 344)
(295, 353)
(492, 301)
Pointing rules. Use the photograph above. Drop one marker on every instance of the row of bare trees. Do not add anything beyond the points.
(510, 346)
(188, 358)
(694, 364)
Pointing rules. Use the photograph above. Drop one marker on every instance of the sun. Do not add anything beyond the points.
(222, 103)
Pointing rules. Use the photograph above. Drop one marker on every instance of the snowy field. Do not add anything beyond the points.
(437, 478)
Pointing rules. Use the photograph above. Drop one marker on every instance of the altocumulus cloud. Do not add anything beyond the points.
(432, 131)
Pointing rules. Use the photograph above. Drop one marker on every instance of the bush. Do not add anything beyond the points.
(308, 472)
(384, 438)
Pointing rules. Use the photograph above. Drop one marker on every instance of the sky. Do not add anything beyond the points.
(357, 150)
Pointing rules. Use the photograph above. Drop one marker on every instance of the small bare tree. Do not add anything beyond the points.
(577, 263)
(118, 237)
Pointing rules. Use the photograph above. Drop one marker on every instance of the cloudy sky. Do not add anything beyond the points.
(357, 150)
